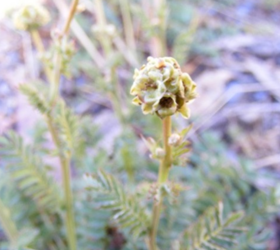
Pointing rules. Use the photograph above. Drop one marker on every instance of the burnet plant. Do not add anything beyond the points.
(32, 178)
(187, 213)
(162, 89)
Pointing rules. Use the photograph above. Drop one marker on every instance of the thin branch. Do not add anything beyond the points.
(82, 36)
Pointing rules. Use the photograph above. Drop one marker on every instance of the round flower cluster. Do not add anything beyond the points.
(161, 88)
(31, 17)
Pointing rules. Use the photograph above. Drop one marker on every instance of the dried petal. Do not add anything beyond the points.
(185, 111)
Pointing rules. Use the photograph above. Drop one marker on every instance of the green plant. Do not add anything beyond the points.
(160, 87)
(116, 197)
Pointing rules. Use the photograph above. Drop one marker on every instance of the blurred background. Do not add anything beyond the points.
(231, 48)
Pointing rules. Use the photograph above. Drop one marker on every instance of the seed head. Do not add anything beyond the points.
(31, 17)
(161, 88)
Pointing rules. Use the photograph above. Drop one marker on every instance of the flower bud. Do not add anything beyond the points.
(174, 140)
(159, 153)
(161, 88)
(31, 17)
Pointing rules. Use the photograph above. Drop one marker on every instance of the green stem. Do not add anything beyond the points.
(105, 41)
(70, 219)
(128, 25)
(115, 92)
(41, 49)
(162, 17)
(159, 40)
(102, 22)
(70, 17)
(164, 168)
(66, 178)
(116, 96)
(55, 79)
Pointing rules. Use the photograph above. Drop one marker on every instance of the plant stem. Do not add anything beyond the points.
(164, 168)
(128, 25)
(55, 79)
(40, 47)
(158, 41)
(116, 95)
(104, 39)
(66, 178)
(57, 57)
(111, 75)
(64, 159)
(70, 218)
(70, 16)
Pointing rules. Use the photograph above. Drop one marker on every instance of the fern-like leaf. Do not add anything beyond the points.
(28, 169)
(211, 231)
(127, 211)
(67, 123)
(17, 239)
(35, 98)
(7, 223)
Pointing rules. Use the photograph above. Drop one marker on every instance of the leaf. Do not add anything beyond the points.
(7, 223)
(29, 172)
(127, 211)
(68, 125)
(211, 231)
(35, 98)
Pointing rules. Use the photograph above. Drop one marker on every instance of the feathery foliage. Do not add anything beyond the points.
(212, 231)
(7, 223)
(67, 123)
(29, 171)
(92, 225)
(35, 98)
(17, 237)
(35, 203)
(127, 210)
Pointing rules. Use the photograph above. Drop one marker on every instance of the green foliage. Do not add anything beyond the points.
(127, 211)
(7, 223)
(31, 209)
(92, 225)
(11, 216)
(182, 43)
(235, 183)
(67, 123)
(29, 171)
(212, 231)
(35, 98)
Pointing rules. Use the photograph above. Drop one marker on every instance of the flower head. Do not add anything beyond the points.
(161, 88)
(31, 17)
